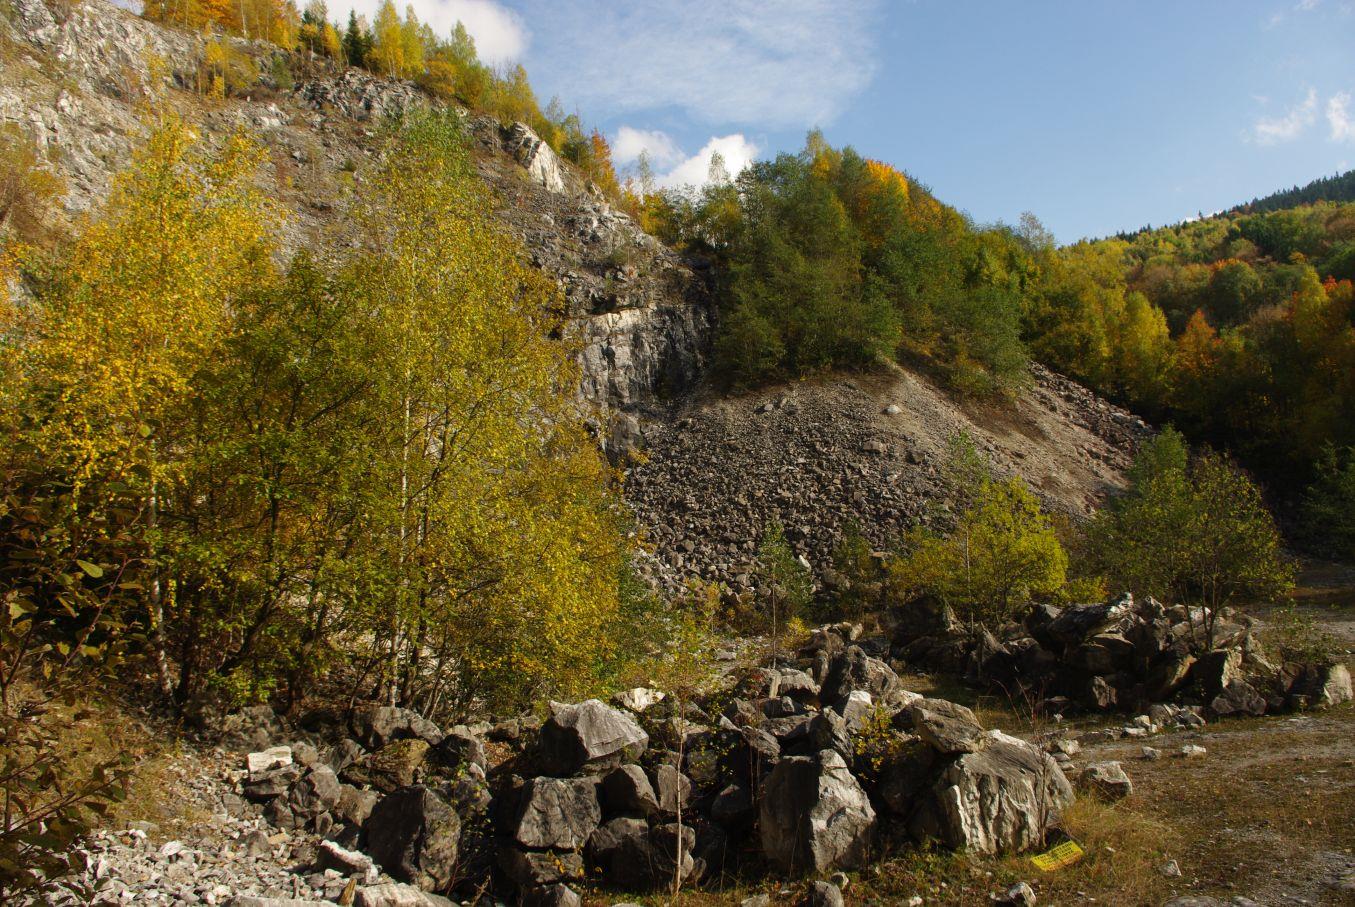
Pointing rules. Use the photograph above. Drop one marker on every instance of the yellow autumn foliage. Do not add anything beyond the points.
(138, 302)
(498, 502)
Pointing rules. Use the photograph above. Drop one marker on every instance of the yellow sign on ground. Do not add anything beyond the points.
(1057, 857)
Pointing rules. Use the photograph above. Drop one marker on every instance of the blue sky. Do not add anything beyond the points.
(1097, 115)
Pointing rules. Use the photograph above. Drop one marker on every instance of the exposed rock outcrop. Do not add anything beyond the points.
(75, 75)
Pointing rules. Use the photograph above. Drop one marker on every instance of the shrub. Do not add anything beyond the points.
(1190, 530)
(27, 188)
(1002, 555)
(226, 70)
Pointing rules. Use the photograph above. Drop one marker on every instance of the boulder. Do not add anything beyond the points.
(272, 783)
(317, 792)
(946, 726)
(823, 894)
(529, 868)
(1167, 674)
(263, 762)
(926, 616)
(458, 750)
(1099, 695)
(796, 684)
(557, 813)
(638, 699)
(251, 728)
(733, 807)
(305, 755)
(711, 851)
(1003, 796)
(635, 857)
(1215, 670)
(396, 894)
(343, 754)
(788, 730)
(674, 789)
(814, 815)
(782, 707)
(414, 835)
(828, 731)
(1107, 779)
(610, 839)
(551, 896)
(351, 863)
(857, 710)
(355, 804)
(906, 776)
(1323, 685)
(626, 791)
(1075, 623)
(751, 753)
(1018, 895)
(374, 726)
(855, 670)
(1238, 698)
(394, 766)
(588, 736)
(1104, 653)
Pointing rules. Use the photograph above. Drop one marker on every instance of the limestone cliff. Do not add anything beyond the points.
(76, 75)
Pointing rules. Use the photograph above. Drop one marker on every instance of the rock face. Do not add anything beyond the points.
(1003, 796)
(75, 79)
(814, 815)
(557, 813)
(536, 157)
(414, 834)
(588, 736)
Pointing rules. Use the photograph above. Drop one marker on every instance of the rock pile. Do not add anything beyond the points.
(1123, 655)
(869, 450)
(796, 768)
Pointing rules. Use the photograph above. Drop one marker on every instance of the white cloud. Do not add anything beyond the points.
(630, 142)
(1304, 6)
(500, 34)
(1339, 117)
(789, 64)
(736, 150)
(1273, 130)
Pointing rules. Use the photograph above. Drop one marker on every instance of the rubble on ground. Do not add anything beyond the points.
(767, 775)
(1125, 656)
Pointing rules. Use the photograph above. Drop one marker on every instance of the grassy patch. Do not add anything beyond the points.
(87, 740)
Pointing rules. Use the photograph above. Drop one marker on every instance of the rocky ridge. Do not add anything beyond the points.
(76, 76)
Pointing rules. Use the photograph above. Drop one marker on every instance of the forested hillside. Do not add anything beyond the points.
(1337, 188)
(1236, 328)
(1248, 338)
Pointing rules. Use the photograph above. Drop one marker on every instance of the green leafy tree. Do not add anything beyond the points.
(357, 41)
(855, 560)
(1002, 554)
(1191, 531)
(1329, 505)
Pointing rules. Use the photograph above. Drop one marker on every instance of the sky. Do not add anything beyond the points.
(1095, 115)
